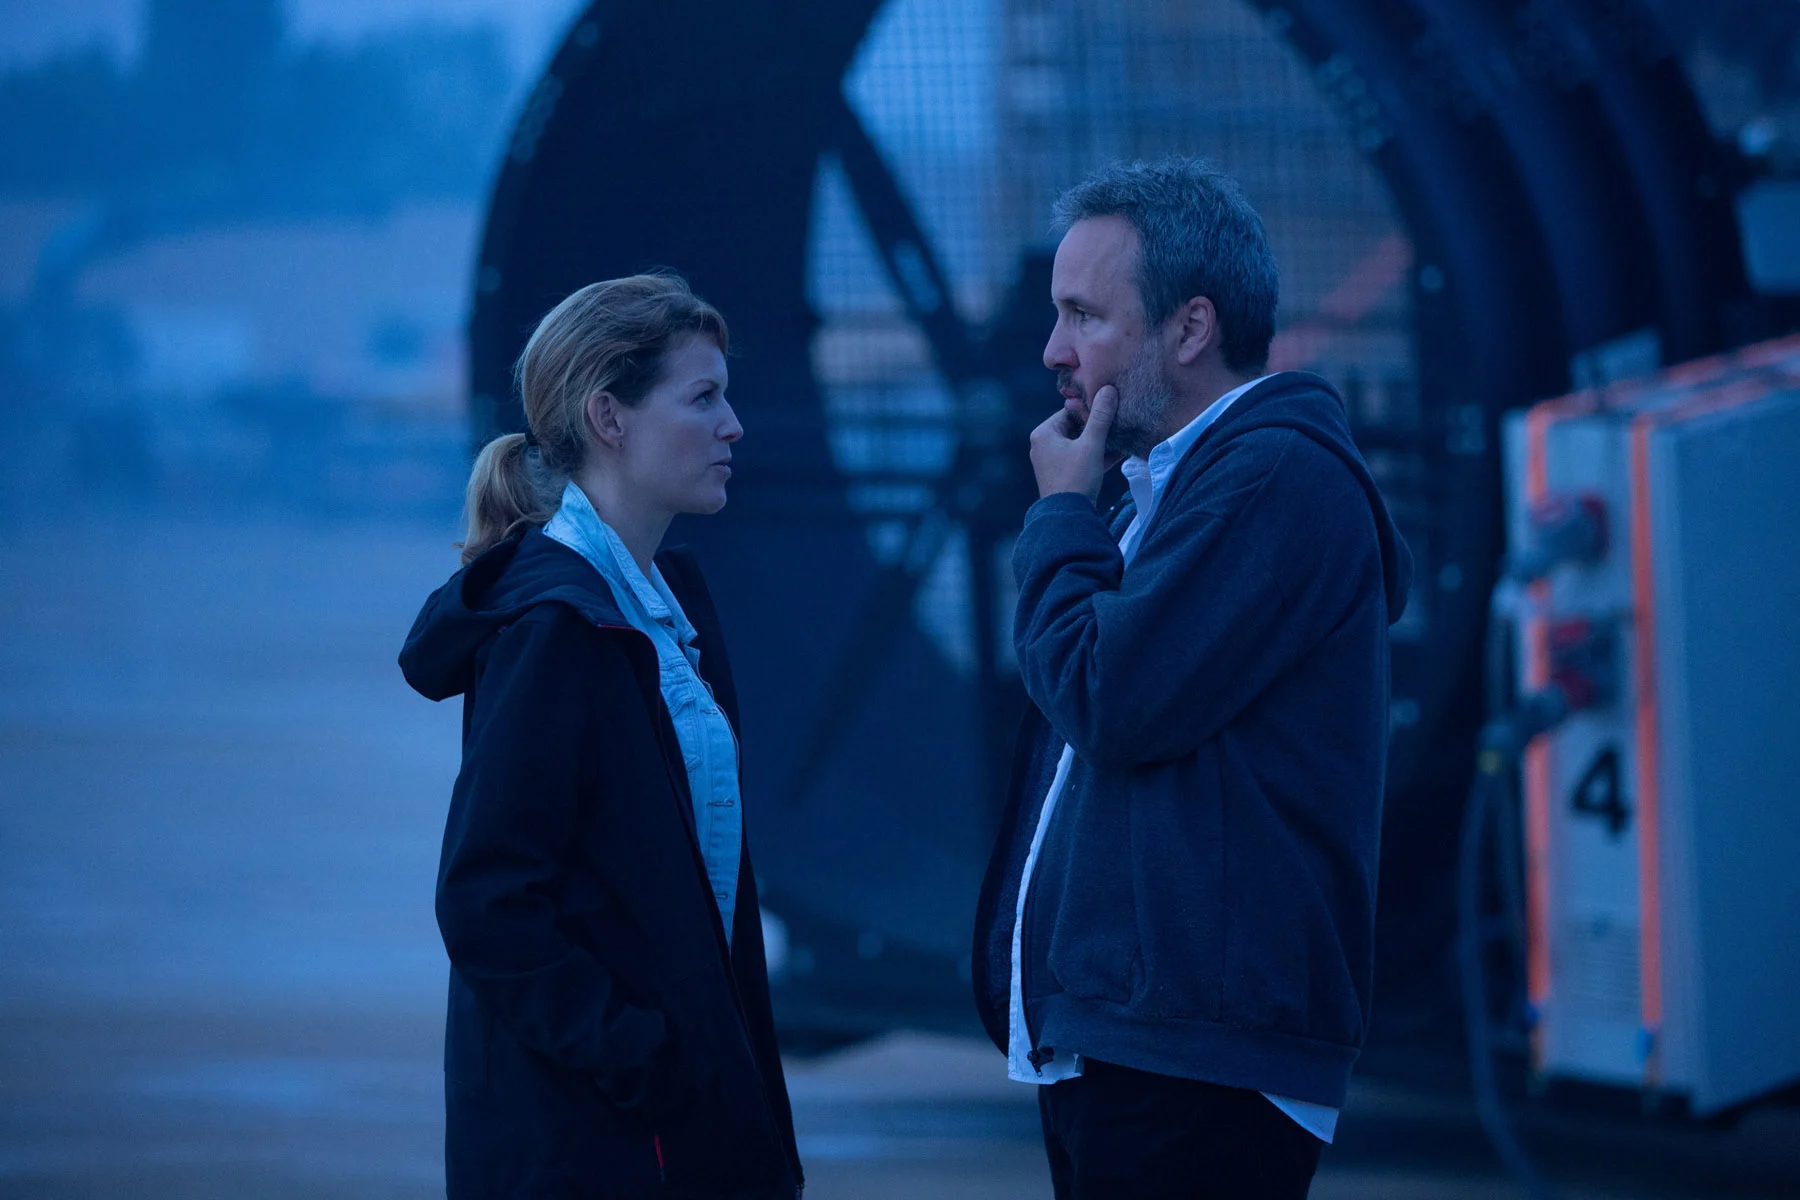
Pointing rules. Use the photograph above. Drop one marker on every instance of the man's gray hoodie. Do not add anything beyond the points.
(1204, 901)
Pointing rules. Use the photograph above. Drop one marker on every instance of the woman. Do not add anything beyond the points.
(609, 1030)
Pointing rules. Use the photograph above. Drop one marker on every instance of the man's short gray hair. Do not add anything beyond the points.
(1198, 237)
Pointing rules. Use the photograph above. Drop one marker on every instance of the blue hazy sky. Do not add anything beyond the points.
(927, 68)
(32, 29)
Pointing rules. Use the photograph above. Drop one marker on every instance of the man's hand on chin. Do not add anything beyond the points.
(1068, 454)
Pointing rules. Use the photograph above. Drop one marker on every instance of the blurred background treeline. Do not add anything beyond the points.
(221, 107)
(233, 256)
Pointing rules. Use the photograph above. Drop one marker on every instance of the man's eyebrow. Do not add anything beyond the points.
(1073, 299)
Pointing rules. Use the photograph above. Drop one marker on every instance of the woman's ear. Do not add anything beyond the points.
(604, 424)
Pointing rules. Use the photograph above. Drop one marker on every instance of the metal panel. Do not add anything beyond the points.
(1670, 921)
(1726, 510)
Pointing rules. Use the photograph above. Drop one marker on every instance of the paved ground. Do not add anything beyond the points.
(219, 812)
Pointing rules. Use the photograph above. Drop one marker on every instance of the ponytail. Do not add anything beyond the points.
(503, 495)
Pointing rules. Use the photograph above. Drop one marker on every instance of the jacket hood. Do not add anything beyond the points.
(1302, 401)
(440, 654)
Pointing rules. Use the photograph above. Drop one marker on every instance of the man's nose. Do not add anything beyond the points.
(1058, 353)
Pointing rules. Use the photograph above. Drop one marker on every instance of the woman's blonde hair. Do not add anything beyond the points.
(611, 336)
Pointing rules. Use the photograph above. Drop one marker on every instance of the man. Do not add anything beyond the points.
(1175, 934)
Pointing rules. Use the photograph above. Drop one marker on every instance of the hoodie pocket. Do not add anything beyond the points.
(1083, 897)
(1177, 857)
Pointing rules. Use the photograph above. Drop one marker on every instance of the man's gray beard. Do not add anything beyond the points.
(1145, 398)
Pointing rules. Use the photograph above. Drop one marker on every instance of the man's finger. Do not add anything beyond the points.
(1055, 425)
(1104, 409)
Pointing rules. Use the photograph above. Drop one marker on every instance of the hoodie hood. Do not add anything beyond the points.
(441, 651)
(1302, 401)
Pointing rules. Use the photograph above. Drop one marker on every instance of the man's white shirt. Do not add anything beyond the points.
(1147, 479)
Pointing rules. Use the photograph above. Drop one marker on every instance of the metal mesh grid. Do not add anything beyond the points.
(984, 111)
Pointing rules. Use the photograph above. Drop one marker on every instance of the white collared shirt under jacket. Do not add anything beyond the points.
(1147, 479)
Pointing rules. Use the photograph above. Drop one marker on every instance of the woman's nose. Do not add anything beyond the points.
(731, 431)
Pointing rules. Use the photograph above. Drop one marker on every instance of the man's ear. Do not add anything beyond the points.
(1199, 330)
(603, 409)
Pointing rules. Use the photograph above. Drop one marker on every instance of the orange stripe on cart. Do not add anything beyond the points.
(1643, 622)
(1537, 754)
(1537, 675)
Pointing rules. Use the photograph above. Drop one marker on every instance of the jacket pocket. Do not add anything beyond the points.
(1177, 864)
(466, 1041)
(721, 1139)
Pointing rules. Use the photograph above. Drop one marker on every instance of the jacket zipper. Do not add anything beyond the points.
(1035, 1055)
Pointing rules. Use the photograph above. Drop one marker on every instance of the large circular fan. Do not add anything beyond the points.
(1464, 197)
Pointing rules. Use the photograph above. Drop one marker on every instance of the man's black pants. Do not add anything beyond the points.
(1114, 1133)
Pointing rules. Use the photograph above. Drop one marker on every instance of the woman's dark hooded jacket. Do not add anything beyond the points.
(602, 1039)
